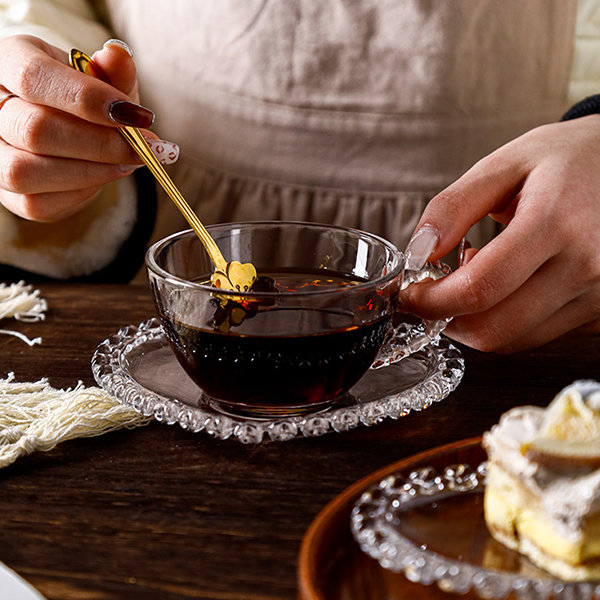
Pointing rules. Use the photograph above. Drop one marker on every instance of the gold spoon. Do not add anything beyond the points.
(232, 275)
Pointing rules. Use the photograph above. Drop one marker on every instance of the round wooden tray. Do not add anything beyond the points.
(331, 565)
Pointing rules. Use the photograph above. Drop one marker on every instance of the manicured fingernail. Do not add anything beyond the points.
(464, 246)
(166, 152)
(120, 43)
(128, 113)
(420, 247)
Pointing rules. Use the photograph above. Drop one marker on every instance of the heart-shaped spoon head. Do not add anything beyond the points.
(237, 276)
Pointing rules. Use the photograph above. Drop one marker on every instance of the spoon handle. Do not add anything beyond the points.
(137, 141)
(133, 135)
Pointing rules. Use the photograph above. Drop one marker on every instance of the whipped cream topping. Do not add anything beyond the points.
(568, 495)
(504, 441)
(589, 390)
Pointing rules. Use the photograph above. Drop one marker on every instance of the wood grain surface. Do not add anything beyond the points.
(162, 513)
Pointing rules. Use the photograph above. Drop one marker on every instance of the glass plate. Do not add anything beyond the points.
(137, 366)
(429, 525)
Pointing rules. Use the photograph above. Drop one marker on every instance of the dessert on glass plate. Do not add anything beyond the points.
(542, 495)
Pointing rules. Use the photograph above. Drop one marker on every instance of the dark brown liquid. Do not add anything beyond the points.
(280, 370)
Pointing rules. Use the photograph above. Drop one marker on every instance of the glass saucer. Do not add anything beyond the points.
(137, 366)
(430, 526)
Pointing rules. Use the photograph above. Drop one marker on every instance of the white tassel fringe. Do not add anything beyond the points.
(37, 417)
(22, 302)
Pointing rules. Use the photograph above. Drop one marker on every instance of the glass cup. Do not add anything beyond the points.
(325, 310)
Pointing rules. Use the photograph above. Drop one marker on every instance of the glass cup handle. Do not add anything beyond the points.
(408, 338)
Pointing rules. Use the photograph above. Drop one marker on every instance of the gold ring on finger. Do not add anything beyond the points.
(5, 96)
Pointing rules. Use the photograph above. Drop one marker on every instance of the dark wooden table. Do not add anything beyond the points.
(159, 512)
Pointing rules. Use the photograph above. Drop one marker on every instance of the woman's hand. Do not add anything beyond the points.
(58, 139)
(540, 277)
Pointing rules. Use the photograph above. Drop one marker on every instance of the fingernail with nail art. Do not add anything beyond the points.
(420, 247)
(166, 152)
(120, 43)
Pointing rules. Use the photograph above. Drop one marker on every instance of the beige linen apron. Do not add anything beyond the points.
(354, 112)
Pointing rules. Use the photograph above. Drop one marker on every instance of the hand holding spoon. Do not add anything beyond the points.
(230, 276)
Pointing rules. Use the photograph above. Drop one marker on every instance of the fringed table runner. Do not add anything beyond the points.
(34, 416)
(23, 303)
(37, 417)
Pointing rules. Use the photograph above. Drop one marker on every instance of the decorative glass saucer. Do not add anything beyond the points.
(137, 366)
(430, 526)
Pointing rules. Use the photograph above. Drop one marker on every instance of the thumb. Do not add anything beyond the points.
(485, 188)
(116, 60)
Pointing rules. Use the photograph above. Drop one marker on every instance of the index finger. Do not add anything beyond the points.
(496, 271)
(485, 188)
(44, 77)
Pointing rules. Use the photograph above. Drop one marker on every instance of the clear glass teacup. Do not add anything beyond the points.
(326, 310)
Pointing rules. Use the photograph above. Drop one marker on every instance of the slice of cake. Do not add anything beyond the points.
(542, 495)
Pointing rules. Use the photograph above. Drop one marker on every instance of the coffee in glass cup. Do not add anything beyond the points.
(324, 310)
